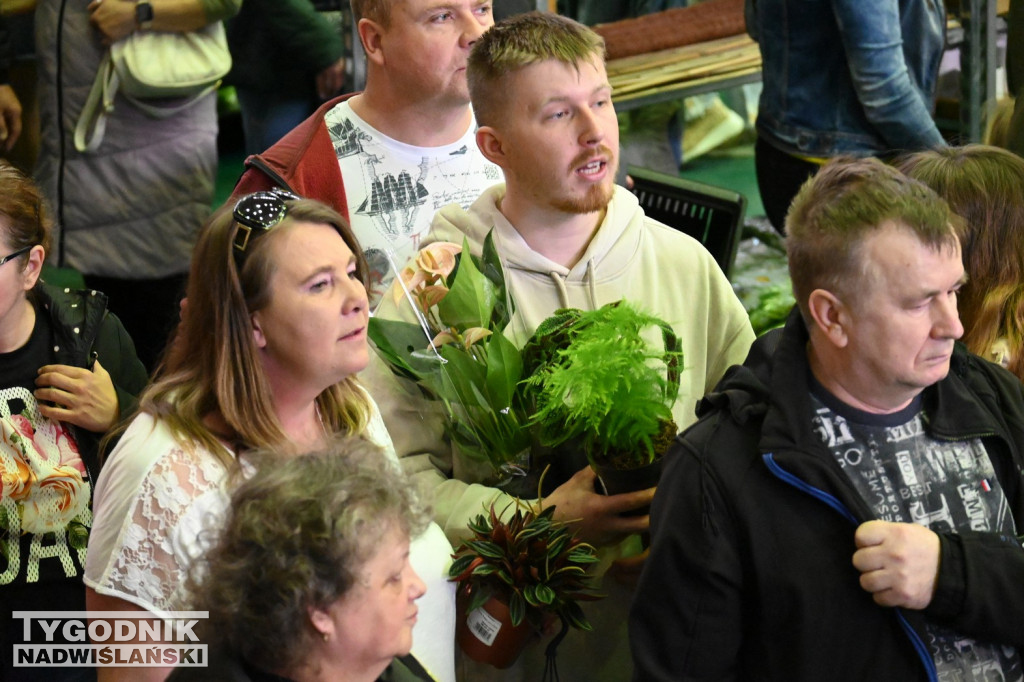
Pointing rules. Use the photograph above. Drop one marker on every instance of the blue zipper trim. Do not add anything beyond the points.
(800, 484)
(834, 502)
(922, 650)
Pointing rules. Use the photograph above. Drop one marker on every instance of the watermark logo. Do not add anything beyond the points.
(111, 639)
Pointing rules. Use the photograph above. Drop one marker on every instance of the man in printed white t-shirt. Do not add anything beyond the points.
(387, 158)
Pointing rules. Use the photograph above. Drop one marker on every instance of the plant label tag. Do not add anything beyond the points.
(483, 625)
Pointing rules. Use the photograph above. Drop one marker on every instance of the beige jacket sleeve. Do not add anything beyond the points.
(416, 424)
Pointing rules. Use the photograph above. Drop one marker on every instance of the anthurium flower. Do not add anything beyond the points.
(474, 334)
(447, 336)
(412, 279)
(430, 296)
(438, 258)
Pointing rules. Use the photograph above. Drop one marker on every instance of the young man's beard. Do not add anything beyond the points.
(596, 199)
(597, 196)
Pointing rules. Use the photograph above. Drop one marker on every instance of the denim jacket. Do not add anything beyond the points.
(848, 76)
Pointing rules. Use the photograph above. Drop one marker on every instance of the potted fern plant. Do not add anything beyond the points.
(516, 575)
(605, 381)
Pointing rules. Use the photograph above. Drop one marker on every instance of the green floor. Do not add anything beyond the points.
(732, 169)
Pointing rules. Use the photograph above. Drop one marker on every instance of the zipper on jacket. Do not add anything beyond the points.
(834, 502)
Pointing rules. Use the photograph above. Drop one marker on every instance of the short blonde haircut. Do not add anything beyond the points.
(517, 42)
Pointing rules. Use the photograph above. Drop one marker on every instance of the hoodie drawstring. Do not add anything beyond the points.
(591, 284)
(563, 294)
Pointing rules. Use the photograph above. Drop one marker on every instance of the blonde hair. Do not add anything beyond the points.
(378, 11)
(517, 42)
(997, 131)
(212, 366)
(983, 186)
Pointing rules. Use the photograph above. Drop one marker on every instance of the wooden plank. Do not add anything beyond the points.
(695, 71)
(691, 83)
(645, 61)
(642, 75)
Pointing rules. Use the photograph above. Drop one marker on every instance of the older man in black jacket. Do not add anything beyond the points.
(848, 505)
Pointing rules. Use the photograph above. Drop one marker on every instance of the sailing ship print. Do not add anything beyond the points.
(394, 202)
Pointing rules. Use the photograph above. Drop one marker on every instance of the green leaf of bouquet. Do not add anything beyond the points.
(504, 369)
(490, 265)
(471, 298)
(462, 374)
(468, 440)
(396, 342)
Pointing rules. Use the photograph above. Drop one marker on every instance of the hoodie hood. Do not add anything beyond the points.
(592, 282)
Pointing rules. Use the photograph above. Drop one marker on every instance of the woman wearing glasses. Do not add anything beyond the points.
(265, 357)
(67, 372)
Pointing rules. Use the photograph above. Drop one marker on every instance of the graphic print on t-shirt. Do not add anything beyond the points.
(44, 494)
(394, 189)
(948, 486)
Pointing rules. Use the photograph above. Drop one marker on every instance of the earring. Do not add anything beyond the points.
(327, 637)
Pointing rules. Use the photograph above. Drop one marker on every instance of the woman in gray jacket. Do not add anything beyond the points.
(129, 211)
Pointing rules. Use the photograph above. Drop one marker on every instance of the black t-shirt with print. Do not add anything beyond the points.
(45, 508)
(906, 476)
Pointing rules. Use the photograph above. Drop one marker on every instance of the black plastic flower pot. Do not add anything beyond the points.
(611, 481)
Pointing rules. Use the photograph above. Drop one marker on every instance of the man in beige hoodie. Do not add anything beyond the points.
(567, 236)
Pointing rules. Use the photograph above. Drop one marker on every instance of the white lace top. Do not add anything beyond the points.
(152, 504)
(157, 507)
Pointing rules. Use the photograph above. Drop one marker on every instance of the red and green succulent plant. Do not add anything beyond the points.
(530, 561)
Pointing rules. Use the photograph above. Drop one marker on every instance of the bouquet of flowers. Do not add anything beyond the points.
(456, 351)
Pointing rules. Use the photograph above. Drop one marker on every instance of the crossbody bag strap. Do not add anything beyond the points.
(92, 122)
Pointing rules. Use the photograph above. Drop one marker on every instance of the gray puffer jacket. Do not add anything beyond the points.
(131, 209)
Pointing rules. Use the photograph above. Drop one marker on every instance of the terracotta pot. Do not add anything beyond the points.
(487, 636)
